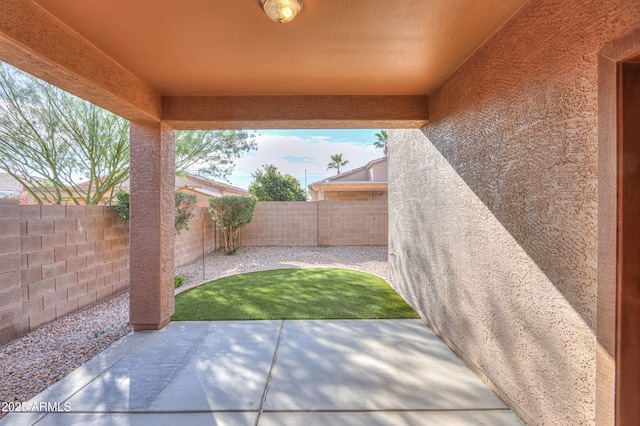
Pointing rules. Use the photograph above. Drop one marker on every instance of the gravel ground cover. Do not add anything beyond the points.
(251, 259)
(38, 359)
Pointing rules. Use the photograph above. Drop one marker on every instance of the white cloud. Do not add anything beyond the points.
(294, 155)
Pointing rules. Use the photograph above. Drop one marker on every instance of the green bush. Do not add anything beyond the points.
(230, 214)
(178, 280)
(185, 210)
(185, 205)
(122, 205)
(271, 185)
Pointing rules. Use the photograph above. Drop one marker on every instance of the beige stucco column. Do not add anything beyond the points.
(152, 225)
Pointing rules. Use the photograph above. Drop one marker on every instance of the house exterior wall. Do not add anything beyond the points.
(376, 171)
(379, 172)
(494, 215)
(360, 175)
(55, 260)
(355, 195)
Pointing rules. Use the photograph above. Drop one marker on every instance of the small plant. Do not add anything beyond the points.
(178, 280)
(185, 210)
(185, 205)
(122, 204)
(98, 333)
(230, 214)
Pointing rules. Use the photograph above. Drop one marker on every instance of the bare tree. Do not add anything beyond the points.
(50, 141)
(63, 149)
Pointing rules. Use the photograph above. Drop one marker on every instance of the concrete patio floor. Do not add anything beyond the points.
(328, 372)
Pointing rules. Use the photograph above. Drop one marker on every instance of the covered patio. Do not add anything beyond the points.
(330, 372)
(513, 185)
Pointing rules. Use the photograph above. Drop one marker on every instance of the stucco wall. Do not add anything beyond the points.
(379, 172)
(493, 207)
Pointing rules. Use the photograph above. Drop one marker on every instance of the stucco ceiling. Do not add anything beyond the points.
(334, 47)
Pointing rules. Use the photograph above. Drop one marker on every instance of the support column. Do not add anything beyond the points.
(152, 225)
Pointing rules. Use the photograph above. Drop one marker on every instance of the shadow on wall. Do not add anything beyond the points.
(476, 283)
(545, 197)
(518, 124)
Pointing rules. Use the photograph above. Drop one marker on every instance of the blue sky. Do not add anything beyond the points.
(294, 151)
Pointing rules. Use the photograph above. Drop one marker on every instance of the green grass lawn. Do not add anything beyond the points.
(317, 293)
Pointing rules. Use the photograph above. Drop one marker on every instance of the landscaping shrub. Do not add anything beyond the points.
(185, 210)
(230, 214)
(178, 280)
(122, 205)
(185, 206)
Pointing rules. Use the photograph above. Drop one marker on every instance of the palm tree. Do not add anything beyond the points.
(336, 162)
(382, 141)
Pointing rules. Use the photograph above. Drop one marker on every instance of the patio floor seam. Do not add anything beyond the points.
(113, 364)
(391, 410)
(270, 375)
(388, 410)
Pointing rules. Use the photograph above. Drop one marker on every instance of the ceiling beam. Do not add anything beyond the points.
(295, 112)
(36, 42)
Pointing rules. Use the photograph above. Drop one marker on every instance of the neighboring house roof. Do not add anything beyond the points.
(372, 177)
(199, 182)
(8, 183)
(196, 184)
(350, 186)
(188, 181)
(9, 187)
(349, 174)
(356, 179)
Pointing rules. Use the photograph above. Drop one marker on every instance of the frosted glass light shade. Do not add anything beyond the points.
(281, 11)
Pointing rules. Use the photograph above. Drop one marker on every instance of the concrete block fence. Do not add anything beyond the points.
(317, 223)
(55, 260)
(200, 239)
(292, 223)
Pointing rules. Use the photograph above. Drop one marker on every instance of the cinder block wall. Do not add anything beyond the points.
(493, 206)
(55, 260)
(352, 223)
(200, 238)
(66, 258)
(12, 323)
(282, 223)
(292, 223)
(317, 223)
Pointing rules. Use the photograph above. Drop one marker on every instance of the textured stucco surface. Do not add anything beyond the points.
(152, 224)
(493, 206)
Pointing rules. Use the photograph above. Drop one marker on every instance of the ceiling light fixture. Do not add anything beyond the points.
(281, 11)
